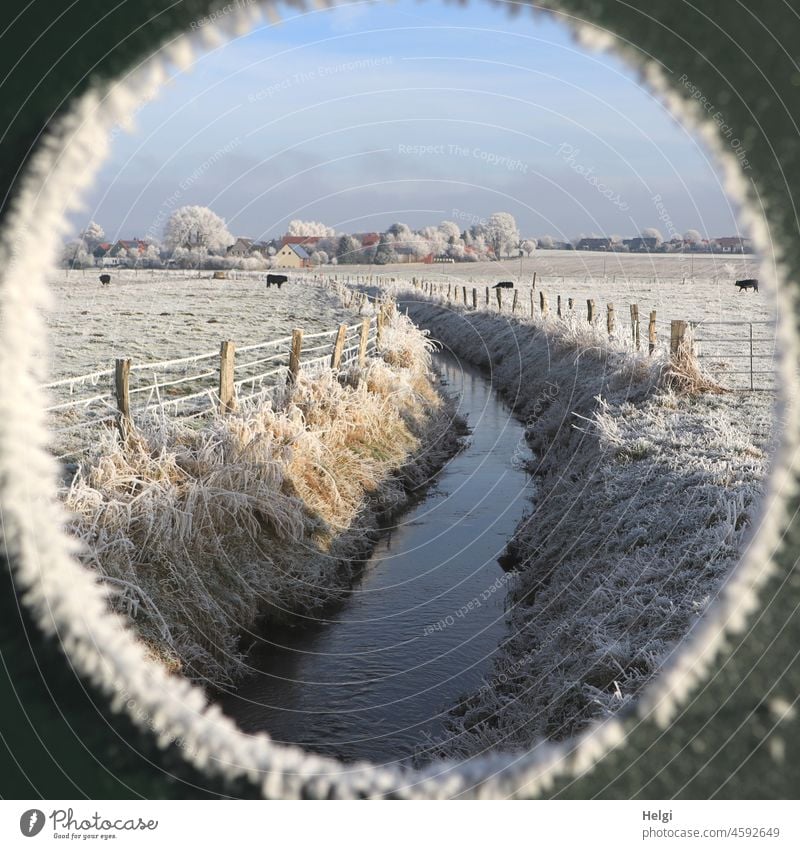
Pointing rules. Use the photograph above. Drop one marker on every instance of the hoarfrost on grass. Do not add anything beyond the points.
(644, 498)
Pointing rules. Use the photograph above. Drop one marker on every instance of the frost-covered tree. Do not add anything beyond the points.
(653, 233)
(151, 258)
(384, 253)
(92, 235)
(528, 245)
(347, 249)
(501, 233)
(451, 231)
(256, 262)
(75, 255)
(196, 228)
(319, 258)
(399, 230)
(545, 241)
(435, 239)
(693, 237)
(296, 227)
(190, 257)
(327, 245)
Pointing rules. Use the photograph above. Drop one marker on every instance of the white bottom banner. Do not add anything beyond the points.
(229, 824)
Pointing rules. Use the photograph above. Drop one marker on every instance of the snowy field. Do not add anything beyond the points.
(162, 315)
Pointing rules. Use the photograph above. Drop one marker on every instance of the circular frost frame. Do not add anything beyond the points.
(65, 600)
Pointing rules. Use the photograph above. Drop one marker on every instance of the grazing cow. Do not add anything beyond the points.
(503, 284)
(750, 283)
(277, 279)
(105, 279)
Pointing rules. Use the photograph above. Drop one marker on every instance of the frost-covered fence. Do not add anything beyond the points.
(737, 354)
(195, 386)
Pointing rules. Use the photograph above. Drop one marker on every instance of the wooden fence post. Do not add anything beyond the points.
(590, 310)
(610, 323)
(380, 319)
(677, 337)
(227, 391)
(122, 370)
(464, 288)
(474, 298)
(487, 296)
(363, 342)
(652, 332)
(338, 347)
(635, 325)
(294, 356)
(558, 306)
(534, 279)
(543, 305)
(514, 302)
(499, 294)
(570, 304)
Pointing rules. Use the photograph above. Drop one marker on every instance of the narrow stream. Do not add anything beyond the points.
(420, 628)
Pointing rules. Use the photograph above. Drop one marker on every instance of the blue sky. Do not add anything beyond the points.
(364, 115)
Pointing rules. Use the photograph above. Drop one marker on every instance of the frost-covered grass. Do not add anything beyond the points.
(641, 499)
(201, 532)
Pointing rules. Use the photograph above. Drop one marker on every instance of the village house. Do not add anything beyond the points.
(111, 253)
(292, 256)
(594, 244)
(367, 240)
(306, 242)
(241, 248)
(733, 245)
(641, 244)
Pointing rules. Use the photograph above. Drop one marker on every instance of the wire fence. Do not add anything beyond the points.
(738, 355)
(195, 386)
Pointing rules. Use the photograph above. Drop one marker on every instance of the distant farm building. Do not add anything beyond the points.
(111, 254)
(292, 256)
(594, 244)
(367, 240)
(241, 248)
(734, 245)
(307, 242)
(642, 244)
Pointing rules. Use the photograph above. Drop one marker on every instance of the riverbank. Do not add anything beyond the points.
(643, 504)
(206, 535)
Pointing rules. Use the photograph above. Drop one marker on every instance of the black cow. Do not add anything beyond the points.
(503, 284)
(277, 279)
(105, 279)
(750, 283)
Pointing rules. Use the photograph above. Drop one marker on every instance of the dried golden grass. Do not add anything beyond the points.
(199, 532)
(684, 376)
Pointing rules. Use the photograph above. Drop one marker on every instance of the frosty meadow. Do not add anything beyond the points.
(367, 483)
